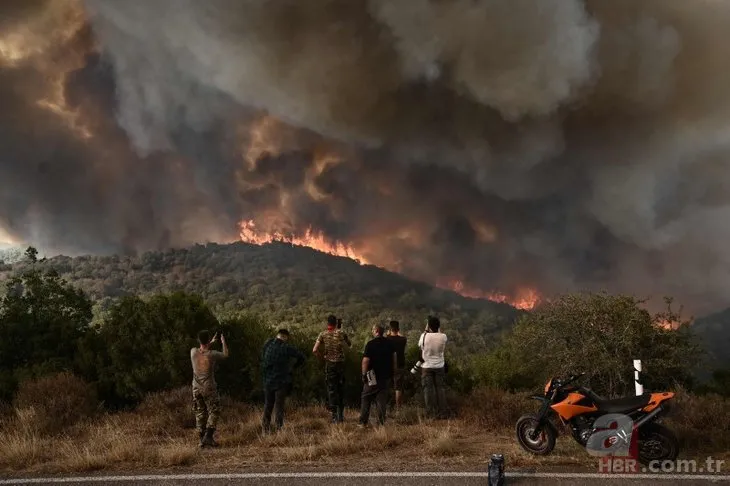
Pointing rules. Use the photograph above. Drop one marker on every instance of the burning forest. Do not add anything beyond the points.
(505, 149)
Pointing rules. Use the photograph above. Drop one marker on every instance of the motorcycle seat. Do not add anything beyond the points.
(624, 404)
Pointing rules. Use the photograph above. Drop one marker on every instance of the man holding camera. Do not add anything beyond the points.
(276, 359)
(433, 368)
(330, 346)
(378, 364)
(206, 403)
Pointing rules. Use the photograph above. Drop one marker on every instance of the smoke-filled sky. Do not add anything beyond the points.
(553, 144)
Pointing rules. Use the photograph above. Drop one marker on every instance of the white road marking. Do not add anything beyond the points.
(326, 475)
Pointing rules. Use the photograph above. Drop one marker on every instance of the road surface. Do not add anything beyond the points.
(374, 478)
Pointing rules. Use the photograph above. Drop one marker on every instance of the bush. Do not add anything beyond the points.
(239, 376)
(496, 409)
(599, 334)
(144, 346)
(42, 319)
(169, 410)
(701, 421)
(58, 401)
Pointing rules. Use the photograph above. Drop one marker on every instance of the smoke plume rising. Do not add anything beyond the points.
(550, 144)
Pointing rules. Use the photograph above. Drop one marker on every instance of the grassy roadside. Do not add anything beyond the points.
(159, 434)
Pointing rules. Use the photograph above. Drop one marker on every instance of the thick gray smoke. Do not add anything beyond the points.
(69, 179)
(557, 144)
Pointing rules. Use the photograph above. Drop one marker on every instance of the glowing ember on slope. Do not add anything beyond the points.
(667, 324)
(525, 298)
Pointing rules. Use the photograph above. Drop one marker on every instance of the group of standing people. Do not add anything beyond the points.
(383, 368)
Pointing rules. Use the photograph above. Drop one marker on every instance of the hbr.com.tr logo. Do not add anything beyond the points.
(615, 441)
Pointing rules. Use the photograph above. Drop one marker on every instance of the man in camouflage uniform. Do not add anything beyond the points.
(206, 403)
(330, 345)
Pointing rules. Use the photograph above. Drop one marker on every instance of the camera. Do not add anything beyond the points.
(416, 367)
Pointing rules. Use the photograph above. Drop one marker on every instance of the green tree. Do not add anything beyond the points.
(144, 345)
(599, 334)
(31, 254)
(42, 320)
(240, 374)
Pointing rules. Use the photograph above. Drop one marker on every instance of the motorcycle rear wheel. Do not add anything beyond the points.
(543, 444)
(657, 443)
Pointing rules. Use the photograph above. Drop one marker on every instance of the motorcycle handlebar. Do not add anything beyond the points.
(576, 377)
(572, 378)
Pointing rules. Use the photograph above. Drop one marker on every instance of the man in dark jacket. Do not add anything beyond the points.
(276, 360)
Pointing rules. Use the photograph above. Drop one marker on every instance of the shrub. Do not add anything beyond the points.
(599, 334)
(58, 401)
(42, 318)
(497, 409)
(170, 409)
(701, 422)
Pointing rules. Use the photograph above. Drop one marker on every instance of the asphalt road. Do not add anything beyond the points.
(379, 479)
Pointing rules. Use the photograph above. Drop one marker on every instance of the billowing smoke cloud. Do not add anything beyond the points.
(560, 144)
(70, 181)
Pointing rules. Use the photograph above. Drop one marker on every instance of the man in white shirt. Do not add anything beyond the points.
(433, 373)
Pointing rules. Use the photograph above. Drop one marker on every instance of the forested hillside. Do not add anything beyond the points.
(287, 285)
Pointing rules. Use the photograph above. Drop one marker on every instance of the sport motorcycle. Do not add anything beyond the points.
(583, 413)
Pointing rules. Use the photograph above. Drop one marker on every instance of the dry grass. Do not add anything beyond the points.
(701, 423)
(160, 434)
(56, 402)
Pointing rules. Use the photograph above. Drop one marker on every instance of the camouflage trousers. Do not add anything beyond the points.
(207, 408)
(335, 379)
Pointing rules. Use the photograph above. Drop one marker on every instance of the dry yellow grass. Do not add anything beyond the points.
(160, 434)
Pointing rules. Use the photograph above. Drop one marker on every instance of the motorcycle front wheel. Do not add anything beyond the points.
(541, 445)
(657, 443)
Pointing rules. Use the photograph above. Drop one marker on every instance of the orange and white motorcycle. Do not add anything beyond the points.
(581, 410)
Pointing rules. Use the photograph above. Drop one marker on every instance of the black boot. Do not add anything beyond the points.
(340, 414)
(201, 434)
(208, 439)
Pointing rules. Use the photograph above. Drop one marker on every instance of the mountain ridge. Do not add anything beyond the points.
(297, 287)
(287, 284)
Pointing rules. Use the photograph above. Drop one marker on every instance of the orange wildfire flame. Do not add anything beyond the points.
(310, 239)
(667, 324)
(525, 299)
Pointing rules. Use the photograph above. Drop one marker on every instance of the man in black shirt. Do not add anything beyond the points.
(378, 364)
(399, 344)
